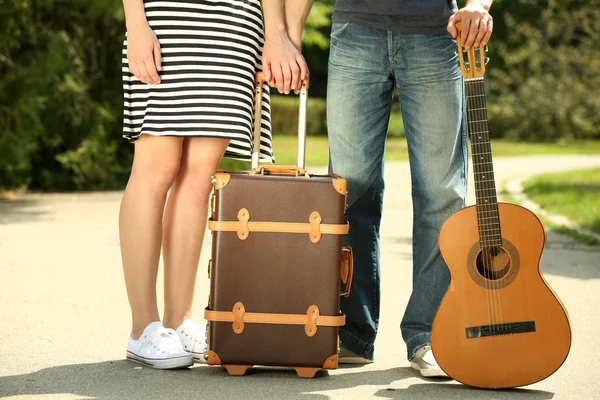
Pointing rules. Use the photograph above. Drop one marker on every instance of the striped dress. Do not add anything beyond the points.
(210, 52)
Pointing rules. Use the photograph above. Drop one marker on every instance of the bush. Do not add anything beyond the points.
(60, 95)
(61, 99)
(545, 77)
(284, 115)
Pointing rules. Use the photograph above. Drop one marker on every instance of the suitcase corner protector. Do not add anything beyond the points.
(340, 185)
(331, 362)
(213, 358)
(220, 179)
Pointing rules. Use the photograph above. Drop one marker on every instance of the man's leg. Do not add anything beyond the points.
(433, 108)
(359, 99)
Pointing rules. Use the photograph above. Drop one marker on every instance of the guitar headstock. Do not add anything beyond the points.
(474, 65)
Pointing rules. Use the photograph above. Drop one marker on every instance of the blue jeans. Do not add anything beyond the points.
(364, 65)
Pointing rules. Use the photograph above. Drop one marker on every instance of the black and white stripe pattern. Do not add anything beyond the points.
(210, 51)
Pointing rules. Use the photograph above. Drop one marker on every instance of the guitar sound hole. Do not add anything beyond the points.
(493, 263)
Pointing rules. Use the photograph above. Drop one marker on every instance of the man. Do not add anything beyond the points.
(376, 45)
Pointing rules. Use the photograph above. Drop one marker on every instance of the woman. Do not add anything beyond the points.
(188, 84)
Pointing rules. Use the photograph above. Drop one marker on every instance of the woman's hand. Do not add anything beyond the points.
(143, 53)
(283, 64)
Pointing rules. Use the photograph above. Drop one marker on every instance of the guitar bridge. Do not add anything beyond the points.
(500, 329)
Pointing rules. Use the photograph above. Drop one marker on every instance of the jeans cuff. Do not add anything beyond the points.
(356, 345)
(415, 342)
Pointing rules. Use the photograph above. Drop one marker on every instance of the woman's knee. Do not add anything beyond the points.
(196, 181)
(200, 159)
(156, 177)
(156, 163)
(164, 177)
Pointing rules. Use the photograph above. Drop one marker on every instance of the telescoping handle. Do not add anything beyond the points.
(258, 92)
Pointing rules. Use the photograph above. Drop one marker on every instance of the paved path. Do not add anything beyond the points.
(64, 316)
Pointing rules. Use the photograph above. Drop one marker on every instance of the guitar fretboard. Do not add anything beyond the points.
(481, 151)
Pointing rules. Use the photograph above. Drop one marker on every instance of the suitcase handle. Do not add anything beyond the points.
(347, 269)
(258, 91)
(280, 170)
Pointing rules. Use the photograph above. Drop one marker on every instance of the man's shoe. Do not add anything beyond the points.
(348, 357)
(158, 347)
(193, 339)
(425, 362)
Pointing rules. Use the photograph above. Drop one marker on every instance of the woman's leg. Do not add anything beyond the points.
(155, 165)
(185, 223)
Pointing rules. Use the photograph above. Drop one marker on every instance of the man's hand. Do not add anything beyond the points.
(477, 23)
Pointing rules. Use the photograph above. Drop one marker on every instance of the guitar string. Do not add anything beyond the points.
(485, 211)
(474, 149)
(471, 99)
(500, 292)
(495, 240)
(475, 118)
(482, 211)
(490, 240)
(470, 118)
(488, 195)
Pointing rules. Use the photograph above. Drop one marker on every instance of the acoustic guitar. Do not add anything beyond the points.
(499, 325)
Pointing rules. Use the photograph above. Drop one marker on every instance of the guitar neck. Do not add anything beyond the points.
(483, 170)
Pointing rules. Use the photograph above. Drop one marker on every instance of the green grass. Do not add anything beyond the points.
(317, 153)
(509, 148)
(317, 150)
(582, 238)
(589, 240)
(574, 194)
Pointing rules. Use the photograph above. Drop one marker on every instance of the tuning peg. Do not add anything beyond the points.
(486, 60)
(485, 48)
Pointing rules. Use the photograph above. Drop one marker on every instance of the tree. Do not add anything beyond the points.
(315, 44)
(545, 69)
(60, 97)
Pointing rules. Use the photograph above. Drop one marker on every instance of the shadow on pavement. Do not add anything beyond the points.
(561, 256)
(121, 379)
(448, 391)
(22, 210)
(565, 257)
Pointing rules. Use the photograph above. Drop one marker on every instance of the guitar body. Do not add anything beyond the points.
(499, 326)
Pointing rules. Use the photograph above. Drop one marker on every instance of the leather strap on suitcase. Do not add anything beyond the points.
(311, 320)
(313, 227)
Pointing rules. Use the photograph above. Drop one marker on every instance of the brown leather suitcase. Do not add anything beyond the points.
(277, 262)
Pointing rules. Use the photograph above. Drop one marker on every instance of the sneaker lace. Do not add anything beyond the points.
(196, 334)
(164, 340)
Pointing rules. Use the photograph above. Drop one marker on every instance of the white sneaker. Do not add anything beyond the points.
(193, 339)
(158, 347)
(348, 357)
(425, 362)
